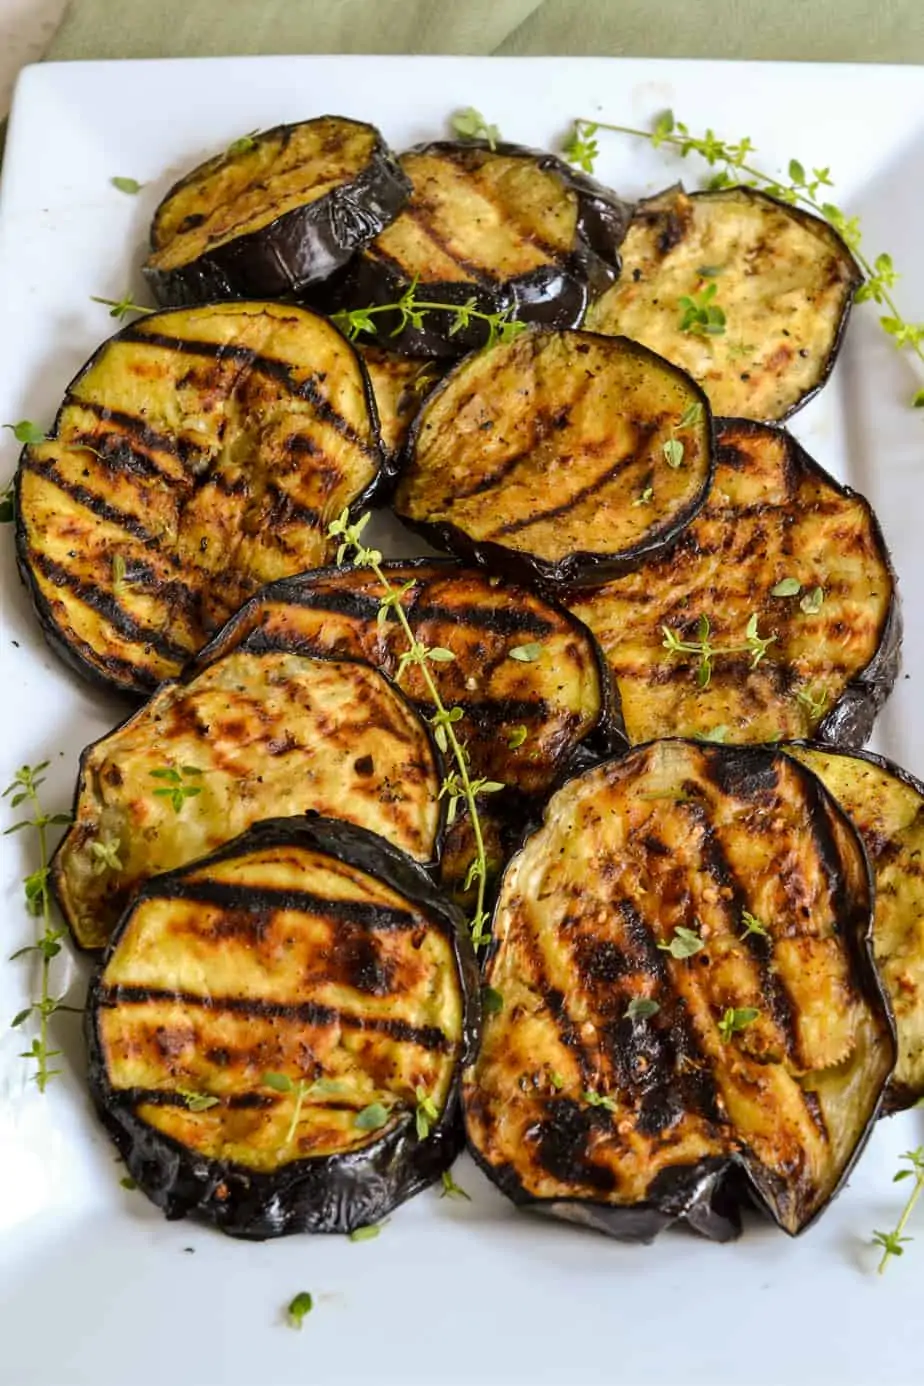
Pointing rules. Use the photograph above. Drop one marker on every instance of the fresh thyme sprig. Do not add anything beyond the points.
(892, 1243)
(754, 644)
(733, 168)
(736, 1018)
(121, 307)
(502, 327)
(471, 125)
(458, 786)
(174, 787)
(24, 790)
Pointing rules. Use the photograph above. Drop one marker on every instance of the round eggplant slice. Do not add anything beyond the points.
(560, 456)
(400, 384)
(277, 1033)
(276, 212)
(507, 229)
(252, 735)
(530, 678)
(774, 616)
(198, 455)
(886, 804)
(748, 294)
(685, 991)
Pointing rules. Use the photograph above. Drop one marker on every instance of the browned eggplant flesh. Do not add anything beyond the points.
(775, 614)
(500, 229)
(684, 995)
(562, 456)
(747, 293)
(275, 212)
(252, 736)
(198, 455)
(277, 1032)
(886, 805)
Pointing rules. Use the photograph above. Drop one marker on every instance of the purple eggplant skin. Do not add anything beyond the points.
(299, 248)
(850, 722)
(710, 1196)
(326, 1194)
(576, 571)
(553, 296)
(110, 674)
(606, 738)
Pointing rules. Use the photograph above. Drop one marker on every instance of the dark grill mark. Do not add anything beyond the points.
(146, 436)
(254, 900)
(114, 452)
(99, 507)
(561, 1146)
(105, 604)
(248, 359)
(429, 1037)
(591, 489)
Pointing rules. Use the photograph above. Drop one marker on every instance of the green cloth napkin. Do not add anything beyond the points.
(821, 30)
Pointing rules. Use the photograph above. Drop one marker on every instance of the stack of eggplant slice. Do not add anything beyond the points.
(667, 632)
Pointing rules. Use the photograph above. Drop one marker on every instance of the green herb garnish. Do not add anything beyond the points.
(502, 327)
(684, 944)
(641, 1008)
(126, 185)
(471, 125)
(516, 736)
(301, 1305)
(527, 654)
(426, 1112)
(24, 790)
(367, 1233)
(121, 307)
(731, 161)
(492, 1001)
(198, 1101)
(594, 1099)
(786, 587)
(243, 144)
(752, 925)
(699, 314)
(812, 602)
(371, 1118)
(645, 498)
(451, 1189)
(736, 1018)
(176, 789)
(893, 1242)
(754, 644)
(458, 785)
(27, 432)
(814, 703)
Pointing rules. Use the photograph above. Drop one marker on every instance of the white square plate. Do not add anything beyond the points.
(95, 1287)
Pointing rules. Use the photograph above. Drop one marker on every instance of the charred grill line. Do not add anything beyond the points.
(148, 437)
(114, 452)
(102, 509)
(771, 988)
(429, 1037)
(480, 273)
(515, 526)
(555, 1002)
(106, 605)
(499, 620)
(277, 370)
(253, 899)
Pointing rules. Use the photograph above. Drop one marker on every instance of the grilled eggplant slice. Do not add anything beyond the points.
(780, 550)
(783, 279)
(400, 384)
(196, 456)
(266, 1023)
(251, 736)
(886, 804)
(276, 212)
(530, 678)
(651, 1042)
(532, 683)
(507, 229)
(562, 456)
